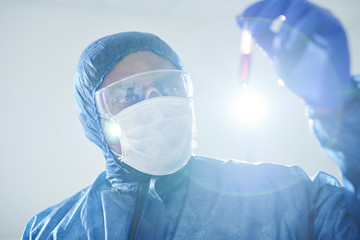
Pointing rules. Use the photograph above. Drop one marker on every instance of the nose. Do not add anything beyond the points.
(152, 93)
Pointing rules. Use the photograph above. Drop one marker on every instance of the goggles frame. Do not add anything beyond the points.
(117, 96)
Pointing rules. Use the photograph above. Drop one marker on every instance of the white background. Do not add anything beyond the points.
(45, 156)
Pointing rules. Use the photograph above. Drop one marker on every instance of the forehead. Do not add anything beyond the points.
(134, 63)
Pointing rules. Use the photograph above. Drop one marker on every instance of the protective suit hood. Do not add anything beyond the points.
(95, 63)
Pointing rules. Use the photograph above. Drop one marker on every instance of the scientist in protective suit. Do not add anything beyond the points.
(155, 188)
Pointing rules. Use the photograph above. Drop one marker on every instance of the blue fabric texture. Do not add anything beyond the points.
(207, 199)
(338, 133)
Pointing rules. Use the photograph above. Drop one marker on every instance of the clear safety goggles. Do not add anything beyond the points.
(119, 95)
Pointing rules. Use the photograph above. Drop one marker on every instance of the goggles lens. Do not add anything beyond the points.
(117, 96)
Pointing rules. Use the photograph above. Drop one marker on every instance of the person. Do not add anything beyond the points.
(155, 188)
(131, 97)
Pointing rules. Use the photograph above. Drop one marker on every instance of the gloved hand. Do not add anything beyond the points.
(309, 52)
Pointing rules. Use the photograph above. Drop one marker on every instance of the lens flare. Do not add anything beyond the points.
(250, 107)
(281, 82)
(114, 129)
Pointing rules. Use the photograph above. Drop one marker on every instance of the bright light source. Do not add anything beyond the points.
(114, 129)
(277, 23)
(245, 42)
(250, 107)
(280, 82)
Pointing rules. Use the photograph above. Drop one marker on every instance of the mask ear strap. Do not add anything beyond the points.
(152, 92)
(118, 156)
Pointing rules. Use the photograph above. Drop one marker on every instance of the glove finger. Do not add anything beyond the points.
(302, 20)
(259, 17)
(266, 9)
(291, 43)
(297, 11)
(249, 16)
(263, 19)
(250, 13)
(303, 49)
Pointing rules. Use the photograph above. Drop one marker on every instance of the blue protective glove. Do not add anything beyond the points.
(310, 52)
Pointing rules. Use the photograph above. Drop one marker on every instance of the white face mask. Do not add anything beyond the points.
(157, 136)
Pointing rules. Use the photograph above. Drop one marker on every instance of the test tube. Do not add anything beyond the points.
(246, 47)
(246, 43)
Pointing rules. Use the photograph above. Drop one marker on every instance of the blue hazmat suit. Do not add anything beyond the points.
(207, 198)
